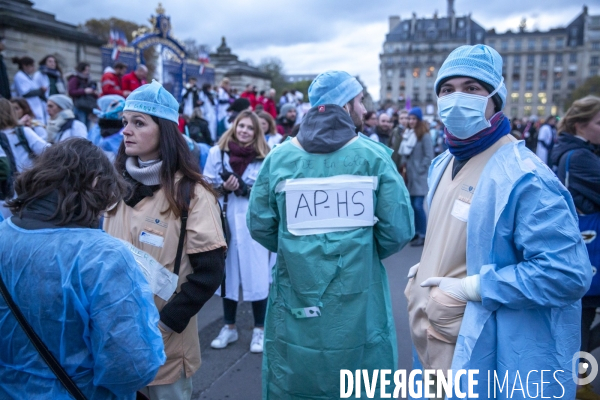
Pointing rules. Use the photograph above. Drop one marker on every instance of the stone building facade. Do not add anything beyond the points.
(34, 33)
(540, 67)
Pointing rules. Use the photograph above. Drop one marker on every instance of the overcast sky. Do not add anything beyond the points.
(311, 36)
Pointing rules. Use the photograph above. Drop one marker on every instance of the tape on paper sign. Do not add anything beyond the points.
(333, 204)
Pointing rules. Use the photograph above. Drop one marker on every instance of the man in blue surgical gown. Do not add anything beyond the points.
(503, 269)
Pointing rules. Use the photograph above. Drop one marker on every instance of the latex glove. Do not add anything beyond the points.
(413, 271)
(466, 289)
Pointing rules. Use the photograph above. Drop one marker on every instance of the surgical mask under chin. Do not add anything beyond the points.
(464, 114)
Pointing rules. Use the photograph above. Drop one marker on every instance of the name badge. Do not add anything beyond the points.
(151, 239)
(460, 210)
(162, 282)
(333, 204)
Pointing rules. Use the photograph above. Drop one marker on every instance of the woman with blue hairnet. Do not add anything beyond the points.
(332, 205)
(108, 133)
(508, 303)
(79, 289)
(171, 220)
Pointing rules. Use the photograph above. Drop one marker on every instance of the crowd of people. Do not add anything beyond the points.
(124, 218)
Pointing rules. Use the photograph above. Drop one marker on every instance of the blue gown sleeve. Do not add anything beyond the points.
(555, 269)
(262, 217)
(125, 341)
(395, 227)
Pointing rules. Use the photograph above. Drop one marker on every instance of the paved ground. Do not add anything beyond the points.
(235, 373)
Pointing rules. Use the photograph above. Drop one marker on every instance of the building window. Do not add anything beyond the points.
(389, 87)
(528, 98)
(531, 44)
(529, 75)
(544, 59)
(516, 85)
(513, 112)
(527, 111)
(595, 60)
(557, 84)
(504, 45)
(402, 73)
(593, 72)
(542, 85)
(517, 60)
(595, 45)
(556, 98)
(492, 43)
(558, 59)
(402, 86)
(518, 44)
(560, 43)
(542, 98)
(514, 97)
(571, 84)
(544, 74)
(545, 44)
(573, 58)
(541, 111)
(428, 98)
(528, 85)
(516, 76)
(416, 72)
(530, 60)
(557, 75)
(572, 72)
(416, 97)
(389, 73)
(554, 110)
(430, 71)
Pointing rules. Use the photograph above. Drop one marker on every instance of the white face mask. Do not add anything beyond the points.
(464, 114)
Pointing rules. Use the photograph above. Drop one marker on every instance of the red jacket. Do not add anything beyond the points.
(269, 106)
(111, 83)
(251, 98)
(131, 82)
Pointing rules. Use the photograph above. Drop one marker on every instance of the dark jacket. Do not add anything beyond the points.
(584, 171)
(4, 84)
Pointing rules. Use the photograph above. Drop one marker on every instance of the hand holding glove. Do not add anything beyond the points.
(466, 289)
(413, 271)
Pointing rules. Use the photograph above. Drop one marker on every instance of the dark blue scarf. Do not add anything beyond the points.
(467, 148)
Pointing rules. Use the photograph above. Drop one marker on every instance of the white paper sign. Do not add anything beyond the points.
(163, 282)
(321, 205)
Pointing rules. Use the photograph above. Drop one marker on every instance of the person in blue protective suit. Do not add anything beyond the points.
(331, 204)
(108, 134)
(78, 288)
(499, 284)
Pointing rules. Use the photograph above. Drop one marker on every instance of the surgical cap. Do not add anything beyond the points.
(333, 87)
(480, 62)
(153, 99)
(111, 106)
(62, 101)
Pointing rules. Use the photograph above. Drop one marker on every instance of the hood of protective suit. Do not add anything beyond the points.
(325, 129)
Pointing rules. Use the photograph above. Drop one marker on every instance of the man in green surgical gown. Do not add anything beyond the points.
(331, 204)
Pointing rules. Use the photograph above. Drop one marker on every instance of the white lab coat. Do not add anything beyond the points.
(247, 262)
(78, 129)
(209, 114)
(223, 104)
(36, 144)
(23, 84)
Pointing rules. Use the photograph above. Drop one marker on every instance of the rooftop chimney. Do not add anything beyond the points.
(394, 22)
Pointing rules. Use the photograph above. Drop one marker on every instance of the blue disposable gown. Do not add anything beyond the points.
(524, 241)
(85, 297)
(341, 272)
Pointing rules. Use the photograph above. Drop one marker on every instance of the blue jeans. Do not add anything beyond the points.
(420, 217)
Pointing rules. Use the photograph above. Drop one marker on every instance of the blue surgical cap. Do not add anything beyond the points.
(333, 87)
(111, 107)
(479, 61)
(153, 99)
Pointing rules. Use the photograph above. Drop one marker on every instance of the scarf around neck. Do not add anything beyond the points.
(147, 173)
(54, 125)
(240, 157)
(464, 149)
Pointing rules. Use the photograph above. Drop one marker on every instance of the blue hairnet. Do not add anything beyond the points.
(153, 99)
(333, 87)
(480, 62)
